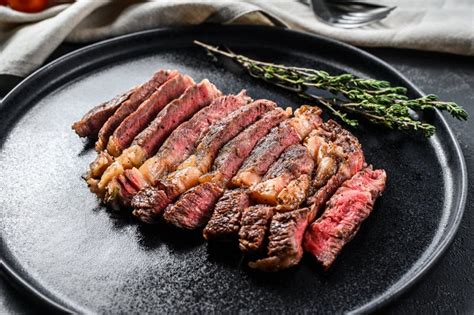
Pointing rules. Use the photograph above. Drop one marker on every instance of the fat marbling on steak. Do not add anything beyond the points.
(289, 132)
(295, 162)
(345, 211)
(345, 158)
(225, 220)
(179, 145)
(150, 139)
(152, 200)
(198, 205)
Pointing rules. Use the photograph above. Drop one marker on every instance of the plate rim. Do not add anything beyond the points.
(35, 291)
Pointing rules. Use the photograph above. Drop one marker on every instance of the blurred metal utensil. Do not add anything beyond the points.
(348, 13)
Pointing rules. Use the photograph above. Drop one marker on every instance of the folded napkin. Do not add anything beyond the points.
(26, 40)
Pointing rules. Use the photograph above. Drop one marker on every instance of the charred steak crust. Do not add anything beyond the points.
(353, 160)
(225, 220)
(226, 165)
(294, 162)
(133, 124)
(268, 150)
(346, 210)
(195, 207)
(181, 143)
(285, 247)
(187, 175)
(139, 96)
(253, 227)
(90, 124)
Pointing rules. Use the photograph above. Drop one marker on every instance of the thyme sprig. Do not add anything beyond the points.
(375, 100)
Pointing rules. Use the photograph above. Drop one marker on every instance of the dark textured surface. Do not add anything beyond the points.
(394, 228)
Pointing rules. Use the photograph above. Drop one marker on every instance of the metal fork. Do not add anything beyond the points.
(348, 13)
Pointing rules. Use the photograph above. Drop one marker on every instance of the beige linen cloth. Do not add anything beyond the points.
(26, 40)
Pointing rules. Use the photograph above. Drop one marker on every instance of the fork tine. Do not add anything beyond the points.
(358, 12)
(366, 14)
(364, 17)
(344, 23)
(359, 3)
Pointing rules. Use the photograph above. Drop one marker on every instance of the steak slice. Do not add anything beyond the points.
(253, 227)
(187, 174)
(182, 142)
(285, 247)
(178, 111)
(230, 158)
(139, 96)
(179, 145)
(345, 211)
(347, 152)
(192, 210)
(295, 162)
(131, 126)
(148, 141)
(225, 220)
(268, 150)
(90, 124)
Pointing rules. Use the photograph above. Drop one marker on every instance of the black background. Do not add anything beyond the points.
(449, 286)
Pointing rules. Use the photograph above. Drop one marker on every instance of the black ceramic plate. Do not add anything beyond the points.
(62, 246)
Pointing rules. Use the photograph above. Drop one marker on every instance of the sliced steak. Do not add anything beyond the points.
(230, 158)
(268, 150)
(139, 96)
(253, 227)
(345, 211)
(179, 145)
(292, 164)
(285, 247)
(90, 124)
(178, 111)
(182, 142)
(192, 210)
(347, 153)
(187, 174)
(234, 153)
(133, 124)
(149, 140)
(225, 220)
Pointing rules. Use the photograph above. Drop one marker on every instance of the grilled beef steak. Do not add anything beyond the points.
(179, 145)
(225, 220)
(188, 173)
(90, 124)
(345, 211)
(230, 158)
(293, 163)
(139, 96)
(192, 210)
(206, 143)
(266, 152)
(146, 112)
(349, 162)
(285, 247)
(253, 227)
(149, 140)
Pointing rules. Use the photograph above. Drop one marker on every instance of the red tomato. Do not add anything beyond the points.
(3, 2)
(29, 6)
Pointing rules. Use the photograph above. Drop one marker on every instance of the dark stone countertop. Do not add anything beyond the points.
(449, 285)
